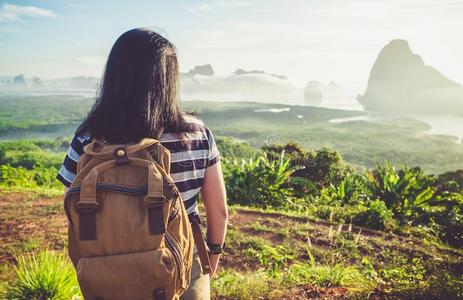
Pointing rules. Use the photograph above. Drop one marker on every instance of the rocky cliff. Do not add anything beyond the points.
(400, 81)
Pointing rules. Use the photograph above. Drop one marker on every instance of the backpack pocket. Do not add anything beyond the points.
(141, 275)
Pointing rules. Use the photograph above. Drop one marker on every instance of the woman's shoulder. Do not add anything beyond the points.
(82, 138)
(194, 121)
(198, 125)
(201, 129)
(79, 141)
(195, 129)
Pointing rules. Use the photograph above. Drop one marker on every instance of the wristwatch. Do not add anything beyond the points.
(215, 248)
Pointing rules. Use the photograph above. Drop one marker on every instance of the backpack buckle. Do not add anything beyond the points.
(87, 207)
(87, 219)
(155, 201)
(155, 208)
(121, 155)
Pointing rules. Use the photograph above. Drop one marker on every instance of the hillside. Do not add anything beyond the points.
(362, 140)
(400, 81)
(304, 223)
(270, 254)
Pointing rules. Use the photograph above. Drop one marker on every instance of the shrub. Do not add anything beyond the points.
(350, 190)
(14, 177)
(456, 176)
(44, 276)
(46, 176)
(271, 257)
(231, 148)
(325, 167)
(20, 177)
(257, 182)
(318, 168)
(404, 191)
(448, 214)
(23, 145)
(25, 153)
(375, 215)
(29, 159)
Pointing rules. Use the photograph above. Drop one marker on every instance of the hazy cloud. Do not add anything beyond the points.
(91, 60)
(11, 12)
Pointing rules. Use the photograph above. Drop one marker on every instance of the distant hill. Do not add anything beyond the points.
(313, 94)
(241, 85)
(204, 70)
(19, 80)
(239, 72)
(77, 82)
(400, 81)
(37, 82)
(333, 86)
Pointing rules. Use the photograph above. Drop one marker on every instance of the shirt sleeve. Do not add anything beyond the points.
(214, 155)
(68, 170)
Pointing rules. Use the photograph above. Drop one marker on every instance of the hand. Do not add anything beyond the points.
(214, 258)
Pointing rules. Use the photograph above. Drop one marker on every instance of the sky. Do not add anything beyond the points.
(324, 40)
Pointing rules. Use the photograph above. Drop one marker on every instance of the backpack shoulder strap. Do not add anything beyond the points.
(200, 245)
(161, 155)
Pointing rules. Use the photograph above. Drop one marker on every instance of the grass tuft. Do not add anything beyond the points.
(46, 275)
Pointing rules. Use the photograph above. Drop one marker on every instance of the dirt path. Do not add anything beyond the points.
(29, 225)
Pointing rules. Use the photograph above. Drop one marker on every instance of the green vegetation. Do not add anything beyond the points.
(235, 285)
(258, 181)
(317, 258)
(31, 164)
(325, 276)
(339, 214)
(42, 277)
(32, 116)
(362, 143)
(384, 198)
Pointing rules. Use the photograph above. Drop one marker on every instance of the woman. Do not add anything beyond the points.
(138, 96)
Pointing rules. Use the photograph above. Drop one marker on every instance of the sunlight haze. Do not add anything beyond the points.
(304, 40)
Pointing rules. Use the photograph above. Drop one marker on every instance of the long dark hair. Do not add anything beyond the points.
(138, 93)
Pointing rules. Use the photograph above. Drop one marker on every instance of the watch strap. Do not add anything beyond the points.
(215, 248)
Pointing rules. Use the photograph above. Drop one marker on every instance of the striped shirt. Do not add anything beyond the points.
(188, 160)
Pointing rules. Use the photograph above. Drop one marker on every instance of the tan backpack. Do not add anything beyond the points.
(129, 234)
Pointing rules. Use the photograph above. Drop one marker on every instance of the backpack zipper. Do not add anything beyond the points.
(173, 246)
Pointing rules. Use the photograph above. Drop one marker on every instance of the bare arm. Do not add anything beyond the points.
(215, 202)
